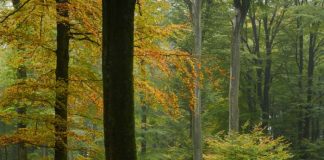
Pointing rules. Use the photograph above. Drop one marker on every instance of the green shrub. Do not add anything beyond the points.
(252, 146)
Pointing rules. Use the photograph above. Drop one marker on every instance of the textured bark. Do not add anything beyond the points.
(117, 65)
(62, 68)
(196, 116)
(235, 75)
(241, 9)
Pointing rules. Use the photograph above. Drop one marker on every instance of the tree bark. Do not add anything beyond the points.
(241, 9)
(196, 116)
(62, 75)
(117, 69)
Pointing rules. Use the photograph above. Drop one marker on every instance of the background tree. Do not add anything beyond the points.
(241, 10)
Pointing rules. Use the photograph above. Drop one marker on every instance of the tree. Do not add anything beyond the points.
(271, 29)
(62, 76)
(195, 15)
(117, 69)
(241, 8)
(196, 116)
(300, 65)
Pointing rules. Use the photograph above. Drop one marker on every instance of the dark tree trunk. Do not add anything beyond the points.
(310, 73)
(250, 92)
(117, 66)
(300, 64)
(258, 61)
(62, 67)
(267, 75)
(271, 28)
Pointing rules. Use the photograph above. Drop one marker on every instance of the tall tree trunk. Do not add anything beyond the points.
(62, 75)
(267, 75)
(117, 69)
(300, 64)
(258, 60)
(241, 9)
(196, 118)
(271, 28)
(310, 73)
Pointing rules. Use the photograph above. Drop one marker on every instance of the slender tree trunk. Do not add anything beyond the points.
(258, 61)
(310, 73)
(241, 8)
(300, 63)
(267, 75)
(250, 96)
(62, 75)
(196, 118)
(117, 66)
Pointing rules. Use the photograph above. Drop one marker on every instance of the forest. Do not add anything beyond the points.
(161, 80)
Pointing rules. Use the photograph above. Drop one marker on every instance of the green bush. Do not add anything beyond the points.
(252, 146)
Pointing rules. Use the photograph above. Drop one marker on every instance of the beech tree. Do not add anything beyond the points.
(117, 70)
(241, 9)
(196, 116)
(62, 79)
